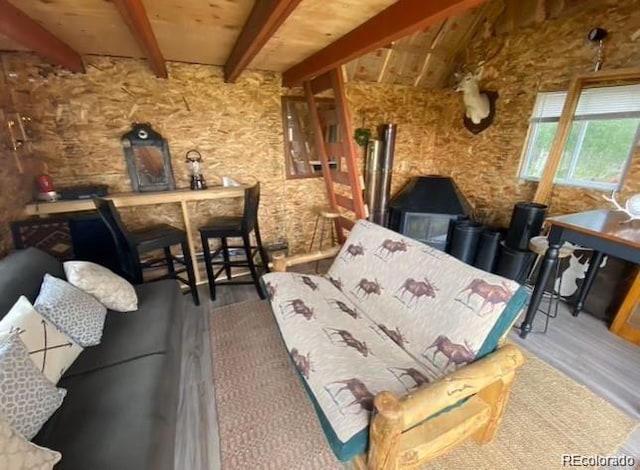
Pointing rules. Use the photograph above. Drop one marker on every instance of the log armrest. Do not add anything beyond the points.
(282, 262)
(464, 382)
(397, 422)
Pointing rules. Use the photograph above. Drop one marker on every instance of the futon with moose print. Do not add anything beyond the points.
(391, 314)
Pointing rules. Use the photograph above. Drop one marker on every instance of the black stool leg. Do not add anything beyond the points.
(252, 265)
(207, 262)
(191, 275)
(169, 259)
(225, 257)
(263, 253)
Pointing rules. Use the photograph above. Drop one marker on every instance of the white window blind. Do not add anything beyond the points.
(605, 102)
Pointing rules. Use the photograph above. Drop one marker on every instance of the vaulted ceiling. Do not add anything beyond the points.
(205, 31)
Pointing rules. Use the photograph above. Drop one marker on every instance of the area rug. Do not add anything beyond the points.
(267, 422)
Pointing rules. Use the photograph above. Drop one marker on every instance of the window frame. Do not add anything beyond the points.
(532, 132)
(290, 172)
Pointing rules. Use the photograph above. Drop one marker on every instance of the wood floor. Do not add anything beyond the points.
(582, 348)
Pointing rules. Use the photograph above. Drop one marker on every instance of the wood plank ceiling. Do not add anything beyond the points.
(205, 31)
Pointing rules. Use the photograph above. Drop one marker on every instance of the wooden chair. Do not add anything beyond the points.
(131, 244)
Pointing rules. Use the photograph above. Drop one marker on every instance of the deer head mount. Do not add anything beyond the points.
(480, 106)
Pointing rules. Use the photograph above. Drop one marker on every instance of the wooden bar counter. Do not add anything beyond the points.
(179, 196)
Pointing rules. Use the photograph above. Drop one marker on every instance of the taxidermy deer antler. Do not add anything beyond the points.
(627, 210)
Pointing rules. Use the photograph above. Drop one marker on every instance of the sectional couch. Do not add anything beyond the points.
(120, 411)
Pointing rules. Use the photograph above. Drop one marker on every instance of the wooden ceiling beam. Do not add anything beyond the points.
(264, 20)
(135, 17)
(20, 28)
(397, 21)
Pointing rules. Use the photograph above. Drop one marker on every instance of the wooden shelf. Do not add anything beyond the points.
(136, 199)
(179, 196)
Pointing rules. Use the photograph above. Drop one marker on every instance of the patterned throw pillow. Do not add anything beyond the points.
(16, 453)
(111, 290)
(75, 312)
(27, 398)
(51, 350)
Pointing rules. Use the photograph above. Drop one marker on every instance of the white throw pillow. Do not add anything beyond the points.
(17, 453)
(111, 290)
(51, 350)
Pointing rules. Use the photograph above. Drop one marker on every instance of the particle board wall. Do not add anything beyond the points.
(542, 57)
(78, 121)
(15, 185)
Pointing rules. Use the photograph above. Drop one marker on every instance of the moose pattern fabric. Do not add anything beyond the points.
(440, 308)
(50, 349)
(344, 357)
(392, 314)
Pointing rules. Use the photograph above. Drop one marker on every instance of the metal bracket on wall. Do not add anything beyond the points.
(18, 134)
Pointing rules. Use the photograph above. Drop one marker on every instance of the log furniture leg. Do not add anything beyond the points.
(384, 432)
(496, 396)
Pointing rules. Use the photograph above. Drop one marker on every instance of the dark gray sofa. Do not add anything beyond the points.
(122, 395)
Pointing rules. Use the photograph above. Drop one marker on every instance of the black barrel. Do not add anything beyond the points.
(452, 225)
(514, 264)
(464, 242)
(526, 222)
(488, 249)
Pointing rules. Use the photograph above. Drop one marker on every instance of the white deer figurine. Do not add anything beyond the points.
(477, 104)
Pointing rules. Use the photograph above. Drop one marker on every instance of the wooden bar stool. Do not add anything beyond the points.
(131, 244)
(235, 227)
(539, 246)
(324, 216)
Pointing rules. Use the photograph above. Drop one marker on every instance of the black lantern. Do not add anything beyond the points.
(194, 160)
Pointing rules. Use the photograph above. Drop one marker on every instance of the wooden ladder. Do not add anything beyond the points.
(334, 142)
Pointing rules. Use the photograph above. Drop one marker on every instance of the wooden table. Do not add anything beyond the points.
(179, 196)
(604, 231)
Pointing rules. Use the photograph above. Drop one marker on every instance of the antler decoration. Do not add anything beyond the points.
(619, 208)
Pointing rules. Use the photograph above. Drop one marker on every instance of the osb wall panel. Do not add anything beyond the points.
(16, 186)
(78, 121)
(416, 114)
(538, 58)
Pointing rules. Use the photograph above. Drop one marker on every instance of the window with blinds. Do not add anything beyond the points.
(604, 133)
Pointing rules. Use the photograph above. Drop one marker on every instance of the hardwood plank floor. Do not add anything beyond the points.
(197, 440)
(582, 348)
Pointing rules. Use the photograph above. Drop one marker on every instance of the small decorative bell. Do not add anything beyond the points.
(194, 159)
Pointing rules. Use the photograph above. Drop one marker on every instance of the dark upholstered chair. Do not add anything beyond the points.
(235, 227)
(131, 244)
